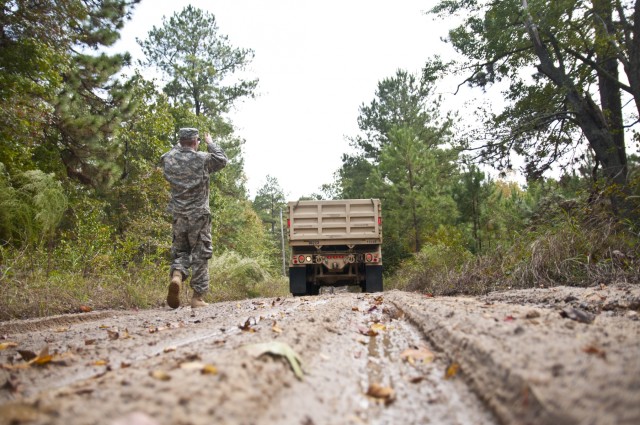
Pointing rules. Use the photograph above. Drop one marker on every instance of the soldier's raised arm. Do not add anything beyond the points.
(217, 158)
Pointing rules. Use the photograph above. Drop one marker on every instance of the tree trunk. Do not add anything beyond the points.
(588, 114)
(609, 89)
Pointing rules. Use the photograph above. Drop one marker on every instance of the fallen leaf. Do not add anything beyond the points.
(209, 369)
(205, 369)
(169, 349)
(452, 370)
(380, 392)
(5, 345)
(100, 362)
(367, 331)
(421, 355)
(160, 375)
(247, 325)
(591, 349)
(62, 330)
(192, 365)
(378, 327)
(509, 318)
(532, 314)
(113, 335)
(355, 309)
(85, 309)
(89, 341)
(27, 355)
(577, 315)
(275, 328)
(43, 358)
(277, 349)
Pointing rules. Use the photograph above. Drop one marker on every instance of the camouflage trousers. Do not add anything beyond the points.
(191, 250)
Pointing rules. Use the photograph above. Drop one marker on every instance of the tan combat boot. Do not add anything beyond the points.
(197, 301)
(173, 298)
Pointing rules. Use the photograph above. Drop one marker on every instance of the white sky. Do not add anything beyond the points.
(317, 62)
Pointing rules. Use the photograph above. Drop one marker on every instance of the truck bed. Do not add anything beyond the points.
(348, 222)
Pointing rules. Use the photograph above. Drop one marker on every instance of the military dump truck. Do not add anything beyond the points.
(335, 243)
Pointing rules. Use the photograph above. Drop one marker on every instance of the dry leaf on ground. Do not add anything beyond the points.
(380, 392)
(5, 345)
(378, 327)
(160, 375)
(592, 349)
(420, 355)
(452, 370)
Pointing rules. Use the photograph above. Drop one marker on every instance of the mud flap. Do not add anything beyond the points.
(298, 281)
(373, 279)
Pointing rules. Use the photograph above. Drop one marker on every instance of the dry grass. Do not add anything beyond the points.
(27, 291)
(566, 251)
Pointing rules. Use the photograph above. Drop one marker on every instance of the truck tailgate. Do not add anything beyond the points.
(351, 221)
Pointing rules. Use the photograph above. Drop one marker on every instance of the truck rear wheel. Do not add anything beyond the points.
(298, 281)
(373, 279)
(298, 284)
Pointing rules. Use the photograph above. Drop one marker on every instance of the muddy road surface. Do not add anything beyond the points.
(541, 356)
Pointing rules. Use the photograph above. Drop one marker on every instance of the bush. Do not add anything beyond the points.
(569, 247)
(234, 277)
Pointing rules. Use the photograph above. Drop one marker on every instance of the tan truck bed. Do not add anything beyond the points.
(350, 221)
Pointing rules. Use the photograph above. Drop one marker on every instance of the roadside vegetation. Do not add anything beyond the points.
(82, 205)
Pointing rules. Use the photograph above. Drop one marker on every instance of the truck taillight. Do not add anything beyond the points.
(289, 223)
(368, 258)
(379, 221)
(300, 258)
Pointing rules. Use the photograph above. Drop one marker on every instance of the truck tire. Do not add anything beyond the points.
(298, 281)
(373, 279)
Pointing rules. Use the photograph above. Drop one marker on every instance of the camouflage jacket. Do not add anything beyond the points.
(188, 172)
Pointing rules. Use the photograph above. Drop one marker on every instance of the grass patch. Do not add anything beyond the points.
(234, 277)
(570, 249)
(27, 291)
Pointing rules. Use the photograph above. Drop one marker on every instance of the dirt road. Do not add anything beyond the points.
(547, 356)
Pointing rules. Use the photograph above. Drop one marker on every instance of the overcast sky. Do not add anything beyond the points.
(317, 62)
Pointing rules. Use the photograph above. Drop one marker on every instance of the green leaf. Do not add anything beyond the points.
(277, 349)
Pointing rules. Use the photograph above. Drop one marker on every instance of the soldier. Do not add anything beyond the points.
(188, 172)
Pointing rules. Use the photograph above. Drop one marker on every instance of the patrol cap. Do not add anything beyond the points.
(187, 133)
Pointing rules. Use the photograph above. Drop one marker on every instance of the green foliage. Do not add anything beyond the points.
(60, 108)
(189, 50)
(403, 158)
(431, 269)
(268, 202)
(32, 208)
(82, 203)
(236, 277)
(564, 242)
(578, 49)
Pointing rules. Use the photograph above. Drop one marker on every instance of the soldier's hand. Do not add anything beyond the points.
(207, 138)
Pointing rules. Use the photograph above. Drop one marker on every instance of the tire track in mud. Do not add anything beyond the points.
(143, 372)
(534, 365)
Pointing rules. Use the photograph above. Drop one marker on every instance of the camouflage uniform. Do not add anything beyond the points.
(188, 173)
